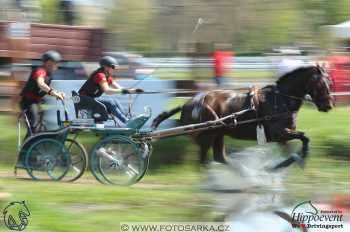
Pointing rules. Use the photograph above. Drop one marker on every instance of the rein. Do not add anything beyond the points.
(294, 97)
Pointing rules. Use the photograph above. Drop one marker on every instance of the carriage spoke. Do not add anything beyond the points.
(131, 168)
(77, 170)
(70, 146)
(77, 161)
(36, 149)
(103, 152)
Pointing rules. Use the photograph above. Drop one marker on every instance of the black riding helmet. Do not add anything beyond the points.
(51, 55)
(108, 61)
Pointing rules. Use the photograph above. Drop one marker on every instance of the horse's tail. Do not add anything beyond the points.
(164, 115)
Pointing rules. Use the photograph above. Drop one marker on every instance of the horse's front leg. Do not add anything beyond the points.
(290, 135)
(301, 136)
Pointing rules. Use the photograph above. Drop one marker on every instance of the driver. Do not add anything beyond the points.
(101, 81)
(37, 86)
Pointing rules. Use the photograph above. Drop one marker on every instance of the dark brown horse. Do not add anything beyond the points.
(275, 107)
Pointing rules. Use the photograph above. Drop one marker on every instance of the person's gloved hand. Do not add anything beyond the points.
(58, 95)
(63, 96)
(125, 91)
(139, 90)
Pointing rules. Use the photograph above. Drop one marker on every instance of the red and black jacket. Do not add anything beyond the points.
(31, 90)
(92, 87)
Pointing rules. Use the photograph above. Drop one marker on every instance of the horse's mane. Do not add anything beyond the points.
(294, 73)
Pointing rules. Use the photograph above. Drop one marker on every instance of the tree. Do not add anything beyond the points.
(131, 23)
(49, 11)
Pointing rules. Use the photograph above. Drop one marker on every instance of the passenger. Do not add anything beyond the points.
(37, 86)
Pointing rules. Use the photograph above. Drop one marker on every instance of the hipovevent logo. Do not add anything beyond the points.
(305, 216)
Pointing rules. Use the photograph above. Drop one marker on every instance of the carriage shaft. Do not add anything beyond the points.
(197, 127)
(182, 130)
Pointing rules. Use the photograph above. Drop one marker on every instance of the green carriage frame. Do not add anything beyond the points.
(45, 162)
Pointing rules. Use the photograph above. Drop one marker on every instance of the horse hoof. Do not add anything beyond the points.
(286, 163)
(270, 169)
(300, 161)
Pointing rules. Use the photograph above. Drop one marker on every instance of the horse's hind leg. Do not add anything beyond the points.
(219, 149)
(205, 141)
(203, 153)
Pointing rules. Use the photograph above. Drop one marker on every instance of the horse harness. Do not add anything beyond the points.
(255, 105)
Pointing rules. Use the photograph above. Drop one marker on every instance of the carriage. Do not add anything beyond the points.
(117, 158)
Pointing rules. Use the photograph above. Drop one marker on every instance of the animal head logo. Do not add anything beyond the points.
(301, 213)
(16, 216)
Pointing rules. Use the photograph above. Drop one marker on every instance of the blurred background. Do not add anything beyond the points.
(176, 45)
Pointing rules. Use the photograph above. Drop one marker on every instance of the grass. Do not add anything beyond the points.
(326, 173)
(169, 192)
(94, 207)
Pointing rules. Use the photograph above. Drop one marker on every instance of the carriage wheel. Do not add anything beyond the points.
(47, 159)
(78, 156)
(117, 160)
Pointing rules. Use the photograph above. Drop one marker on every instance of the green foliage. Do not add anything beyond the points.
(271, 24)
(131, 24)
(322, 12)
(49, 11)
(285, 23)
(252, 25)
(338, 11)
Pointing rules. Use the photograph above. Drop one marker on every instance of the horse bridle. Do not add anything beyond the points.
(315, 77)
(328, 82)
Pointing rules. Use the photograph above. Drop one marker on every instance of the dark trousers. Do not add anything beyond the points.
(114, 107)
(32, 111)
(218, 80)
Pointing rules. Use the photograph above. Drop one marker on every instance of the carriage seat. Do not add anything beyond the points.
(88, 107)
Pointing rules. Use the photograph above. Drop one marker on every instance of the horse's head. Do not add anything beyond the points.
(319, 89)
